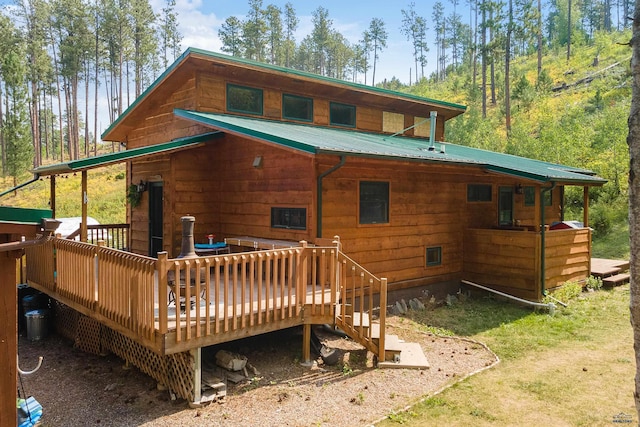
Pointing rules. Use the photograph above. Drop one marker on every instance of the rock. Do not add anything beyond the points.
(399, 308)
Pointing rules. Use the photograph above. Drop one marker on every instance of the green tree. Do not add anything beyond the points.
(320, 39)
(254, 32)
(414, 28)
(230, 34)
(378, 36)
(290, 26)
(15, 129)
(170, 36)
(34, 15)
(274, 35)
(145, 42)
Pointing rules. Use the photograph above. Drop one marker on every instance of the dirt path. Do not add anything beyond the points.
(75, 388)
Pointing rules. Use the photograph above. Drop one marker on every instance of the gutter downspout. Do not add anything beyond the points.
(19, 186)
(542, 238)
(343, 159)
(48, 226)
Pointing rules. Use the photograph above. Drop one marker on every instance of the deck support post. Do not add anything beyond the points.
(306, 344)
(196, 355)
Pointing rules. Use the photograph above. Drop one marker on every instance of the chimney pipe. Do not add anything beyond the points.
(188, 249)
(432, 131)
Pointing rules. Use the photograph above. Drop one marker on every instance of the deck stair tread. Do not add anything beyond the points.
(411, 357)
(361, 319)
(616, 279)
(601, 267)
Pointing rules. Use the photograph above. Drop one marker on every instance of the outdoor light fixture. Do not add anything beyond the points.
(257, 162)
(519, 189)
(142, 187)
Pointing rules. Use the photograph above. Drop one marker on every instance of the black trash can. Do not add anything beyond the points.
(38, 324)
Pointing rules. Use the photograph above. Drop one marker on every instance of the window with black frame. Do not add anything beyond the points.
(291, 218)
(374, 202)
(342, 114)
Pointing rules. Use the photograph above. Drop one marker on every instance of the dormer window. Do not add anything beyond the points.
(342, 114)
(297, 108)
(243, 99)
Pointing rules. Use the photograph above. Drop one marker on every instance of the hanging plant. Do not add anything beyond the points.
(133, 195)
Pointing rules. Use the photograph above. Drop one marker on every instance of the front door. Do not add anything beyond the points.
(155, 218)
(505, 206)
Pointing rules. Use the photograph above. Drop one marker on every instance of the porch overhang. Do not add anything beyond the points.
(126, 155)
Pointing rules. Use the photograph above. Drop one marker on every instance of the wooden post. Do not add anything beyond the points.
(585, 203)
(306, 344)
(8, 338)
(52, 195)
(196, 354)
(83, 224)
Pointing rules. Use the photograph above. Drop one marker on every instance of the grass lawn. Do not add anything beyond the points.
(573, 368)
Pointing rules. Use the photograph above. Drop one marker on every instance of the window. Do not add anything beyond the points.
(297, 108)
(374, 202)
(478, 193)
(293, 218)
(342, 114)
(244, 99)
(434, 256)
(530, 196)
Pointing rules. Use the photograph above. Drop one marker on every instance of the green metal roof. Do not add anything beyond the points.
(323, 140)
(274, 68)
(122, 156)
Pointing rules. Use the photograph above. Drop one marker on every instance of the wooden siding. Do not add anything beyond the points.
(568, 256)
(423, 212)
(211, 97)
(507, 260)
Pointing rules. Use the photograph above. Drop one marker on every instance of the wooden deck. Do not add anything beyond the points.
(612, 271)
(230, 296)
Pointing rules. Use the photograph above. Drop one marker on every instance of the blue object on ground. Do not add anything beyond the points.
(29, 412)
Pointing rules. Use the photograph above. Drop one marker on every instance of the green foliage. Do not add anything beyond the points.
(565, 293)
(593, 283)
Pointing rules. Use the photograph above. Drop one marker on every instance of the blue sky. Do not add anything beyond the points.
(200, 20)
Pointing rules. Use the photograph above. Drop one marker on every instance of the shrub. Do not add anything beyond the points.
(593, 283)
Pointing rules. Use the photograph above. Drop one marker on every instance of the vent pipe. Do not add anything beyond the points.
(432, 131)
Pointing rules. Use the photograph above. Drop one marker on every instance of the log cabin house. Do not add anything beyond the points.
(328, 192)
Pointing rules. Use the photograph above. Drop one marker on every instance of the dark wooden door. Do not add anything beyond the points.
(505, 206)
(155, 218)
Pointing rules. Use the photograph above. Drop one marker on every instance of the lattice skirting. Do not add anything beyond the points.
(175, 371)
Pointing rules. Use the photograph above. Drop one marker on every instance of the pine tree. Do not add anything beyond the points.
(15, 129)
(378, 35)
(290, 25)
(230, 34)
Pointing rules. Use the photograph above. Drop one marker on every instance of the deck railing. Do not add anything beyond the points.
(168, 302)
(358, 290)
(116, 236)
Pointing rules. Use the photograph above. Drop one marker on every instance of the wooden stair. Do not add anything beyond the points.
(612, 272)
(397, 353)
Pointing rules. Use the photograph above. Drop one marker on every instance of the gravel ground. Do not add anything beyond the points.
(76, 388)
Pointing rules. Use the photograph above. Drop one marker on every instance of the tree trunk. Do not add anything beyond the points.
(507, 60)
(539, 30)
(569, 31)
(35, 124)
(493, 62)
(633, 141)
(483, 42)
(2, 145)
